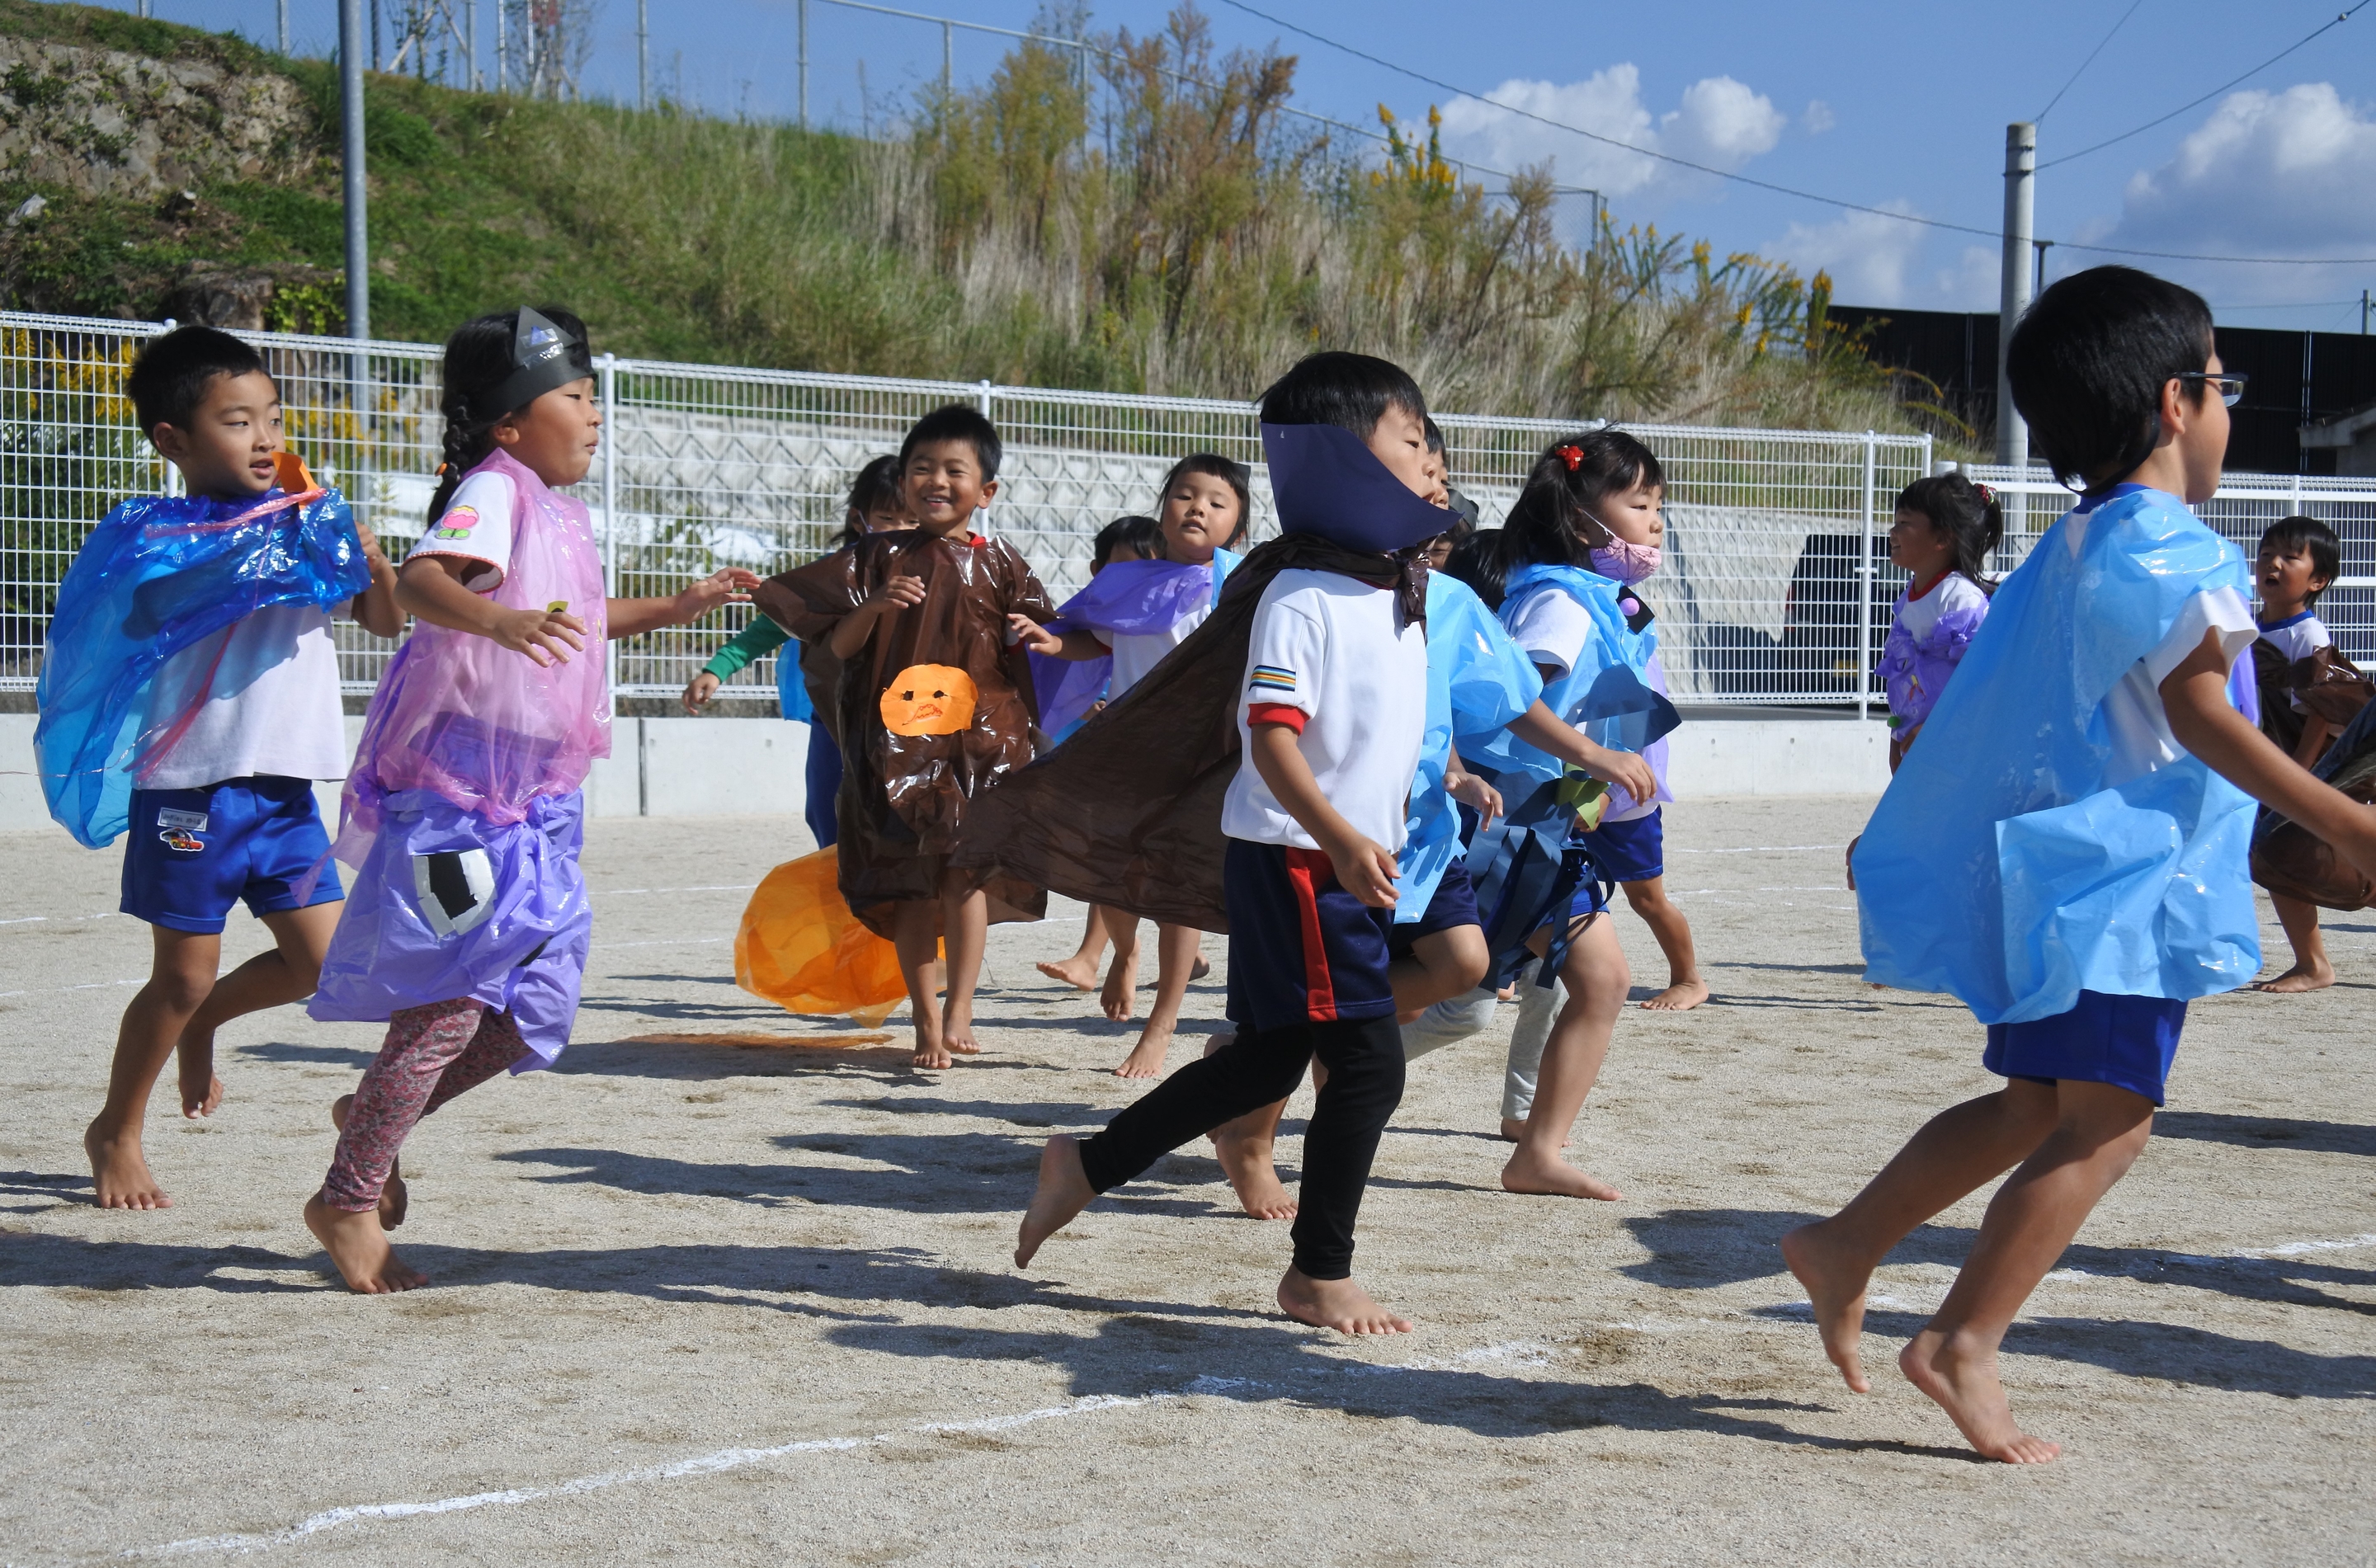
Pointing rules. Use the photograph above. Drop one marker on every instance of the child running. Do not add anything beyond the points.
(873, 506)
(191, 695)
(1129, 618)
(1330, 703)
(934, 707)
(463, 817)
(2298, 558)
(1945, 529)
(2065, 852)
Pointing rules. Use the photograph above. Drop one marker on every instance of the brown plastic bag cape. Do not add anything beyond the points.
(2289, 859)
(1128, 811)
(932, 711)
(2331, 687)
(799, 947)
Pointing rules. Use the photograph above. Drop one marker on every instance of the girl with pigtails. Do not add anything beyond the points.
(468, 928)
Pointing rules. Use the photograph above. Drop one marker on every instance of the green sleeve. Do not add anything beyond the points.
(757, 640)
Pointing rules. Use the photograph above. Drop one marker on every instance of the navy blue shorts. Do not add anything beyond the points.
(1302, 950)
(1453, 904)
(2127, 1041)
(194, 853)
(1630, 851)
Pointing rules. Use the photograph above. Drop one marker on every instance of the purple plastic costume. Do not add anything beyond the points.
(1925, 643)
(462, 816)
(1129, 599)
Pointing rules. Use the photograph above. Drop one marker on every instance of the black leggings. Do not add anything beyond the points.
(1364, 1058)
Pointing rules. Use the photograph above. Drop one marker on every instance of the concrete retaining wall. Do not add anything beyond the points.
(710, 767)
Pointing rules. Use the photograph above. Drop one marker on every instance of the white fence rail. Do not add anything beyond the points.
(1776, 588)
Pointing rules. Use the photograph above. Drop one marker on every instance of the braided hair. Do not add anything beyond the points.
(478, 361)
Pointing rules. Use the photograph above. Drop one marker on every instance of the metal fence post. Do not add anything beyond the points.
(609, 366)
(988, 394)
(1864, 590)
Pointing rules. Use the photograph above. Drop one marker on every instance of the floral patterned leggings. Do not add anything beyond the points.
(432, 1054)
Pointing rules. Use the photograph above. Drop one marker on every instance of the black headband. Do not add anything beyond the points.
(541, 359)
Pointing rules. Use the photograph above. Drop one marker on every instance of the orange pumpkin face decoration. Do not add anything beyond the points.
(929, 699)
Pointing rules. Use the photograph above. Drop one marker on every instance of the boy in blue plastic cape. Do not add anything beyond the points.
(190, 695)
(2065, 852)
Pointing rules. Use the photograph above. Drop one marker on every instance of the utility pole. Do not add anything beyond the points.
(471, 53)
(948, 60)
(804, 64)
(643, 55)
(350, 122)
(502, 58)
(284, 27)
(2020, 213)
(2363, 313)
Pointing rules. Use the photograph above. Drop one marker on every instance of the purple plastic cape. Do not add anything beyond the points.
(1914, 671)
(159, 576)
(462, 817)
(1129, 599)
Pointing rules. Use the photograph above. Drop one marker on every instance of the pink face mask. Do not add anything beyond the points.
(1624, 560)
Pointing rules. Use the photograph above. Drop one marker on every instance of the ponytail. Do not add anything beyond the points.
(1553, 523)
(478, 363)
(1968, 514)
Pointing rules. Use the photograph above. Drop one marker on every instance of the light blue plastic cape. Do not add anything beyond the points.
(1607, 694)
(1999, 867)
(791, 691)
(1477, 680)
(161, 573)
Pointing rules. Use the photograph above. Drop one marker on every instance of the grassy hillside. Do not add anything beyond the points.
(1191, 242)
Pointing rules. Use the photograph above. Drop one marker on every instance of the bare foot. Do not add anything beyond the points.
(1335, 1303)
(1552, 1178)
(1200, 969)
(956, 1031)
(1515, 1127)
(119, 1175)
(1963, 1378)
(1063, 1191)
(1079, 973)
(1146, 1058)
(395, 1198)
(2297, 978)
(1835, 1284)
(1120, 998)
(360, 1248)
(1247, 1161)
(1679, 997)
(201, 1090)
(929, 1051)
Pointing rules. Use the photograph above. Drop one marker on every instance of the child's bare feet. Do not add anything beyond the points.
(1076, 972)
(2301, 978)
(1553, 1178)
(1963, 1378)
(201, 1090)
(360, 1248)
(1120, 998)
(395, 1198)
(1247, 1160)
(1679, 997)
(1146, 1058)
(1515, 1127)
(119, 1174)
(930, 1053)
(1063, 1191)
(1200, 969)
(1835, 1284)
(1335, 1303)
(956, 1030)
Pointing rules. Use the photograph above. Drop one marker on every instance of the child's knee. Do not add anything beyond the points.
(1647, 899)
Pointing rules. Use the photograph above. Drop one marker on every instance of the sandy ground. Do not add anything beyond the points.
(710, 1293)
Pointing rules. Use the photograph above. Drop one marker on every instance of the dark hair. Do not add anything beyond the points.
(1434, 436)
(877, 486)
(1552, 524)
(1229, 471)
(1968, 514)
(2297, 532)
(170, 377)
(478, 361)
(957, 421)
(1136, 534)
(1349, 391)
(2088, 361)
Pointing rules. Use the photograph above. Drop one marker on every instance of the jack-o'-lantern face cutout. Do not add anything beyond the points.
(929, 699)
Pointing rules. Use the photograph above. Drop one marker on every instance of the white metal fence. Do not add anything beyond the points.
(1777, 588)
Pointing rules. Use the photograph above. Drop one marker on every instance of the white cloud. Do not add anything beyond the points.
(1818, 118)
(1718, 121)
(1875, 260)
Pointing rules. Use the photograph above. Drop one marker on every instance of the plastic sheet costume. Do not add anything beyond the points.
(1913, 670)
(159, 575)
(1128, 599)
(934, 710)
(2288, 857)
(799, 947)
(463, 815)
(1477, 680)
(1128, 811)
(2000, 866)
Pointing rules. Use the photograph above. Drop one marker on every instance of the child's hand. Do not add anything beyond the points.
(1034, 636)
(1366, 869)
(1476, 794)
(376, 557)
(547, 637)
(697, 694)
(1626, 770)
(726, 585)
(895, 593)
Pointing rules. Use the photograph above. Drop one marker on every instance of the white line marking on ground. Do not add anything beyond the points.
(669, 942)
(1761, 850)
(628, 892)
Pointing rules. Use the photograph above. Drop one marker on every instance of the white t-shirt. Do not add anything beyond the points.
(1954, 592)
(1339, 650)
(274, 709)
(1133, 656)
(477, 525)
(2298, 636)
(2134, 715)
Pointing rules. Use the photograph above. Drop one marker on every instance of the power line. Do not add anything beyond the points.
(2341, 17)
(2041, 114)
(1442, 85)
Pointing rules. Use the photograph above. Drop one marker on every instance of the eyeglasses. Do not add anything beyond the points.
(2229, 383)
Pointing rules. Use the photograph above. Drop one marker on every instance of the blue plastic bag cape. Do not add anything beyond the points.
(1131, 599)
(160, 575)
(1477, 680)
(1998, 866)
(792, 690)
(1607, 694)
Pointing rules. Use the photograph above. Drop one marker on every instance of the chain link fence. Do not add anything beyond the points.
(1777, 587)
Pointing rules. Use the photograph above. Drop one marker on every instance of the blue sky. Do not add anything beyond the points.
(1900, 106)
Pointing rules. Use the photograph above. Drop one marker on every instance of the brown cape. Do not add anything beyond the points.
(904, 797)
(1128, 811)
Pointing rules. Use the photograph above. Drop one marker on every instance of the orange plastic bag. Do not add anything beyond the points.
(801, 947)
